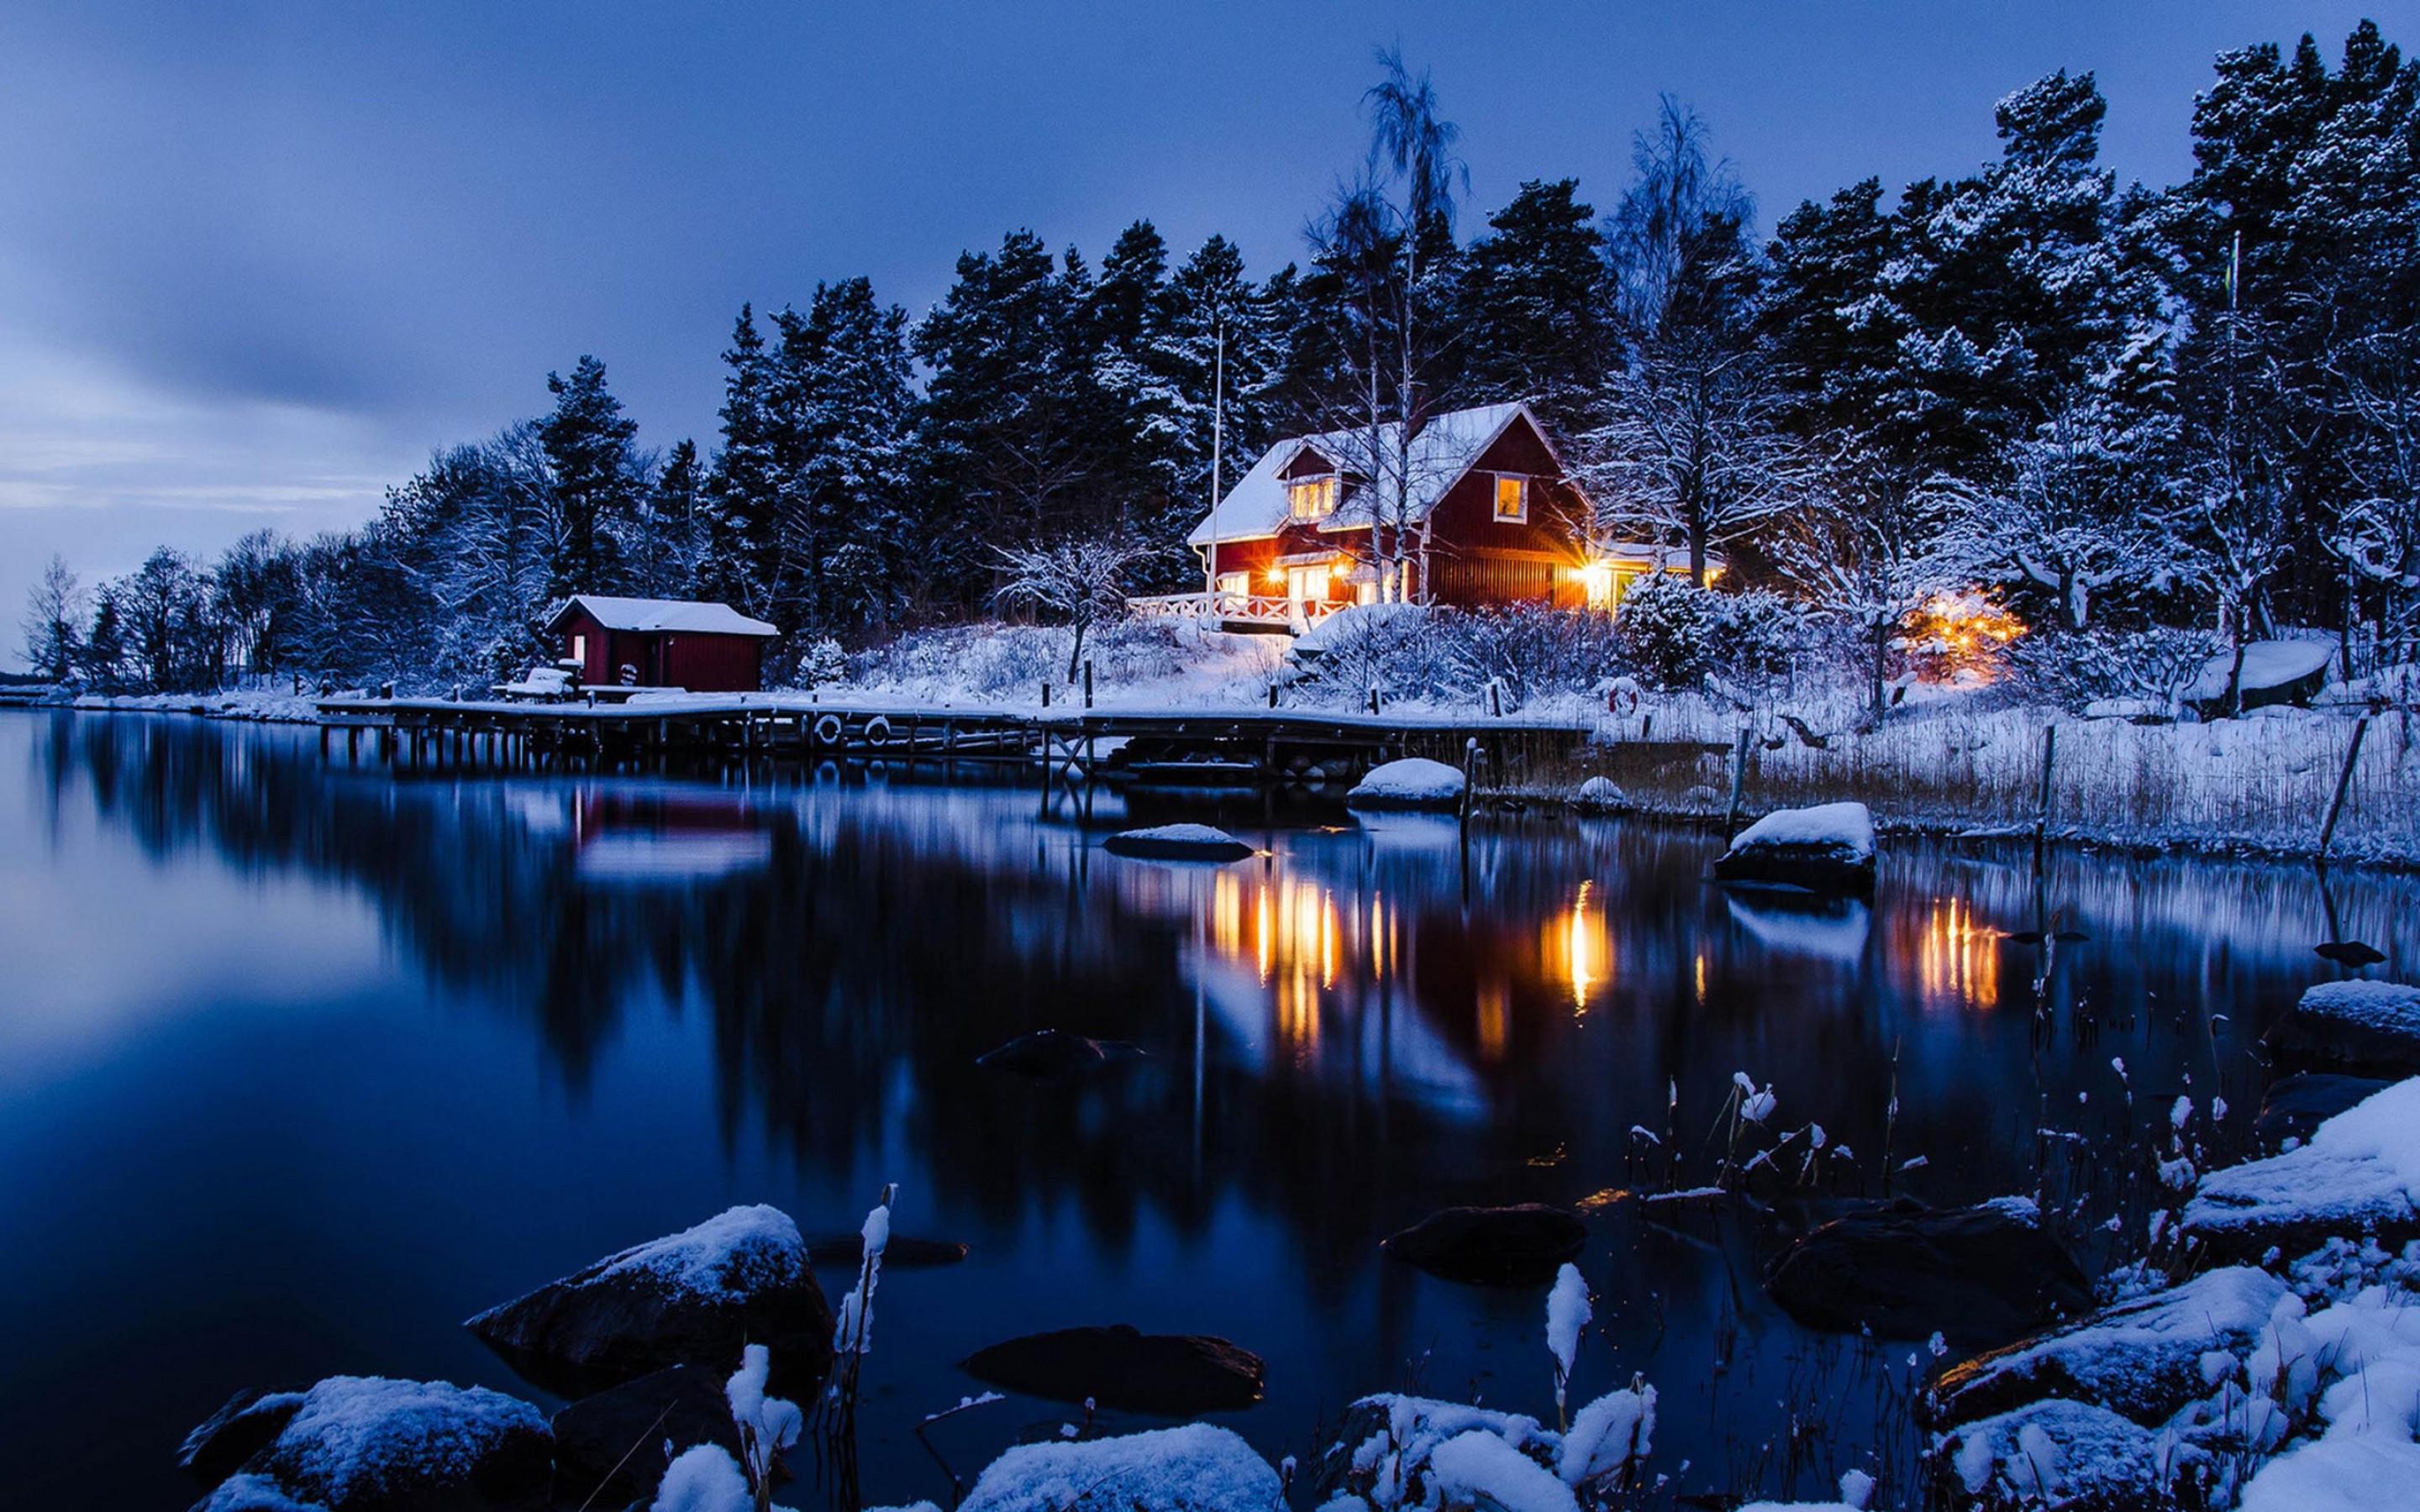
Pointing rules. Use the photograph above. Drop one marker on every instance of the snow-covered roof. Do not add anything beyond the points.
(662, 614)
(1441, 452)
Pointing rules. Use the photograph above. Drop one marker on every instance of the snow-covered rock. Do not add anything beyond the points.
(1197, 1468)
(2355, 1367)
(2354, 1025)
(2274, 671)
(238, 1431)
(366, 1443)
(2359, 1174)
(1982, 1275)
(690, 1298)
(2056, 1454)
(1828, 848)
(2142, 1359)
(616, 1441)
(2293, 1107)
(1598, 794)
(1170, 1375)
(1414, 782)
(1178, 842)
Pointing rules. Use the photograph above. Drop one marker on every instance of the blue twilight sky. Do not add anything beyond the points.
(256, 260)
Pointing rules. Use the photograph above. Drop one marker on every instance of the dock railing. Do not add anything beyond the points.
(1254, 611)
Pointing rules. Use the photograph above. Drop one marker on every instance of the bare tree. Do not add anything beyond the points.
(1869, 550)
(53, 611)
(1080, 580)
(1687, 443)
(1381, 243)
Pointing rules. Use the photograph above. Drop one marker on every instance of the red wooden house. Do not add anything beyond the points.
(661, 643)
(1477, 510)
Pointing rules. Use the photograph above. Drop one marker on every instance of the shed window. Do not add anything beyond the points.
(1512, 499)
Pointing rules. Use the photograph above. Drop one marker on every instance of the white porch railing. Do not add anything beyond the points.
(1235, 608)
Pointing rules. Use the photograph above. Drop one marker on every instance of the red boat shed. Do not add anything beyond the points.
(661, 643)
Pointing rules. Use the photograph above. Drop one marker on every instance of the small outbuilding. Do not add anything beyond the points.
(661, 643)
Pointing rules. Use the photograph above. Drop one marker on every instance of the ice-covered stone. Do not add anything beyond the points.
(1197, 1468)
(1414, 782)
(1828, 848)
(366, 1443)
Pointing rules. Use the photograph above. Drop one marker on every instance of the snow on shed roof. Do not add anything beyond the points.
(1441, 452)
(662, 614)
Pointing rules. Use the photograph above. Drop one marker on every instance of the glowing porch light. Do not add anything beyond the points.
(1596, 582)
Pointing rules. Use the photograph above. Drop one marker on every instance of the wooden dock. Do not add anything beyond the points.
(1265, 745)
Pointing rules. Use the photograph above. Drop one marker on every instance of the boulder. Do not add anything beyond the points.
(363, 1443)
(902, 1251)
(2070, 1455)
(2275, 672)
(690, 1298)
(2358, 1175)
(1178, 842)
(1598, 794)
(1522, 1246)
(1981, 1276)
(233, 1434)
(1828, 848)
(1415, 782)
(2141, 1359)
(1197, 1468)
(612, 1445)
(2355, 1026)
(2294, 1107)
(1170, 1375)
(1050, 1055)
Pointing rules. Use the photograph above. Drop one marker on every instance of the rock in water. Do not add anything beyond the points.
(2354, 953)
(1828, 848)
(2140, 1359)
(2295, 1107)
(1981, 1276)
(1597, 795)
(1178, 842)
(611, 1444)
(1522, 1246)
(901, 1251)
(1415, 782)
(2354, 1026)
(1048, 1054)
(362, 1443)
(2359, 1174)
(1197, 1468)
(237, 1431)
(1172, 1375)
(691, 1298)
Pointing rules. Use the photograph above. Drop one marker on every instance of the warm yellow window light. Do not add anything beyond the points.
(1312, 498)
(1512, 498)
(1597, 580)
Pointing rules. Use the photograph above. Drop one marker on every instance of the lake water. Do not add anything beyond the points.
(299, 1066)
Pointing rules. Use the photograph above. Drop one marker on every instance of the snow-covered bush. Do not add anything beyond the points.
(1671, 635)
(1012, 661)
(822, 663)
(2078, 667)
(1528, 649)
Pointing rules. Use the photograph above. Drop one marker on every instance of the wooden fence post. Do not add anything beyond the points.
(2344, 785)
(1470, 775)
(1739, 783)
(1088, 683)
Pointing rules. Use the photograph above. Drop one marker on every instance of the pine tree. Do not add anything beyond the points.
(588, 440)
(1536, 310)
(743, 492)
(846, 362)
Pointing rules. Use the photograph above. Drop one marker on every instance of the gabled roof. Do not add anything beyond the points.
(660, 615)
(1442, 452)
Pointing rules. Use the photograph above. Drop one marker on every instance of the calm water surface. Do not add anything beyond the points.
(300, 1066)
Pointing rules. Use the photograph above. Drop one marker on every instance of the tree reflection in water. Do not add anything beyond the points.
(1369, 1020)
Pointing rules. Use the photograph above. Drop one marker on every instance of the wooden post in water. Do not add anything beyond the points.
(1469, 776)
(1739, 783)
(2344, 785)
(2042, 814)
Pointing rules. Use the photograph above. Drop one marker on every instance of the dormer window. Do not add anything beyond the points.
(1312, 497)
(1512, 499)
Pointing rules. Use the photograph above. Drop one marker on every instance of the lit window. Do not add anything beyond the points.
(1235, 582)
(1312, 498)
(1512, 499)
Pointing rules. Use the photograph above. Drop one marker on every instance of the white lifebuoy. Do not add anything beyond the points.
(878, 731)
(1623, 698)
(827, 730)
